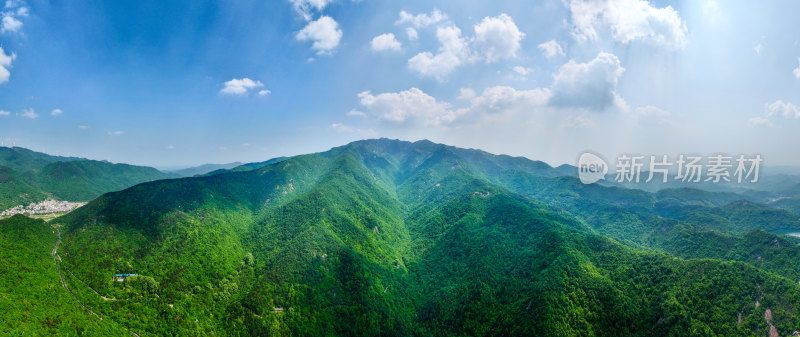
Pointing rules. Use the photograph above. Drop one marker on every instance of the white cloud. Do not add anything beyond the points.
(421, 20)
(414, 107)
(56, 112)
(116, 133)
(759, 121)
(452, 53)
(412, 33)
(795, 71)
(29, 113)
(305, 7)
(10, 24)
(497, 38)
(588, 85)
(223, 148)
(758, 47)
(83, 126)
(466, 94)
(407, 107)
(4, 113)
(626, 21)
(551, 49)
(502, 99)
(245, 144)
(522, 70)
(354, 112)
(240, 86)
(264, 92)
(783, 109)
(5, 63)
(324, 32)
(339, 127)
(385, 42)
(170, 147)
(10, 21)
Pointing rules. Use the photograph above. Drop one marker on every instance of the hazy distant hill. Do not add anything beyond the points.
(203, 169)
(247, 167)
(385, 237)
(27, 176)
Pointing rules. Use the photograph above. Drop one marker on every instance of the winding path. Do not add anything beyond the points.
(64, 283)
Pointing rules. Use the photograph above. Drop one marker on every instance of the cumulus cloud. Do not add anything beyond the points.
(29, 113)
(116, 133)
(4, 113)
(241, 86)
(5, 63)
(306, 7)
(10, 24)
(385, 42)
(522, 70)
(13, 10)
(626, 21)
(783, 109)
(758, 48)
(324, 33)
(497, 38)
(453, 52)
(412, 33)
(411, 106)
(414, 107)
(759, 122)
(501, 99)
(264, 92)
(421, 20)
(551, 49)
(56, 112)
(591, 85)
(795, 71)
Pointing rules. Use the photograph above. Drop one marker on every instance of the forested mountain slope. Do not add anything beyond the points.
(27, 176)
(386, 237)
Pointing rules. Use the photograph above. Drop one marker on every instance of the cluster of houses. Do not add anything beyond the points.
(44, 207)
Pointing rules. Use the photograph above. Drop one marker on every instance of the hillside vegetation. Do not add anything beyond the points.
(27, 177)
(385, 237)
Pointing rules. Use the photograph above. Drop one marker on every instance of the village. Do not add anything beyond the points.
(41, 208)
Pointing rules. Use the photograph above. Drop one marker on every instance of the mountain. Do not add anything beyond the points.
(27, 176)
(14, 190)
(203, 169)
(248, 166)
(385, 237)
(33, 301)
(24, 160)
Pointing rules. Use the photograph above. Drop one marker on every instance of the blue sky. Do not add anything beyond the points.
(188, 82)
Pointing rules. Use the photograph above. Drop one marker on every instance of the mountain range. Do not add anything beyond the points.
(27, 176)
(396, 238)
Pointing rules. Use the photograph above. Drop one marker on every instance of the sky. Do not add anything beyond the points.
(180, 83)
